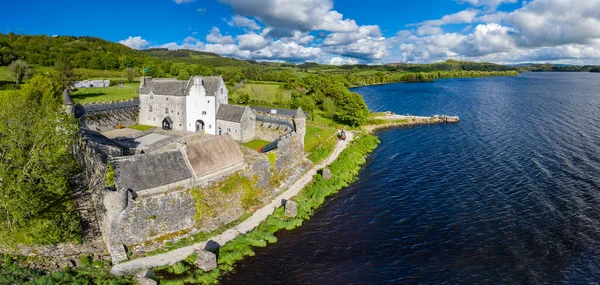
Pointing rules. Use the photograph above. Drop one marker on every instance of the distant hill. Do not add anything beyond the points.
(85, 52)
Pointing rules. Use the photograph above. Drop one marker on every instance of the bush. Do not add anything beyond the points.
(344, 171)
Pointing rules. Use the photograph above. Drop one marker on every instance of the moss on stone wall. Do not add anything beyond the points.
(344, 171)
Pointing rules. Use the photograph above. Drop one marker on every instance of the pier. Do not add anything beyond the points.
(390, 120)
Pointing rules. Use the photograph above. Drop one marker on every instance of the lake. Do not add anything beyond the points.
(510, 195)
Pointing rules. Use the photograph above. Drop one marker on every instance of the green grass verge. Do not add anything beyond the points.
(106, 94)
(323, 151)
(344, 171)
(315, 136)
(141, 127)
(256, 144)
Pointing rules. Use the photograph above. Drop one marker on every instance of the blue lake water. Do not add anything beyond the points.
(510, 195)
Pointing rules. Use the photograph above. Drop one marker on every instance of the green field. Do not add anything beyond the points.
(315, 136)
(263, 94)
(141, 127)
(256, 144)
(106, 94)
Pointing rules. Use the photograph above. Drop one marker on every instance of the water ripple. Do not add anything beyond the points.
(510, 195)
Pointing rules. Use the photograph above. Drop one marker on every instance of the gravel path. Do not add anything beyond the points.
(174, 256)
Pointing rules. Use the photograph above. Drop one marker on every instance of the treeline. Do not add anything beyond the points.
(92, 53)
(382, 78)
(326, 92)
(36, 166)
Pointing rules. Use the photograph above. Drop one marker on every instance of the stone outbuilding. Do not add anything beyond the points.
(238, 121)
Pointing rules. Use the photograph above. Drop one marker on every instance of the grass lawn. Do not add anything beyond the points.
(141, 127)
(256, 144)
(105, 94)
(315, 136)
(264, 94)
(4, 75)
(369, 72)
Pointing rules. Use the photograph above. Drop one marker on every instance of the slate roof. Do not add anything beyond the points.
(147, 171)
(230, 113)
(211, 84)
(165, 87)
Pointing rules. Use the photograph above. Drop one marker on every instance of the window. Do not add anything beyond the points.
(151, 97)
(167, 98)
(167, 111)
(236, 131)
(150, 109)
(203, 112)
(177, 113)
(228, 130)
(210, 126)
(221, 90)
(154, 119)
(180, 125)
(208, 101)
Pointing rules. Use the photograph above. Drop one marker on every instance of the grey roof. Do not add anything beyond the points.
(211, 84)
(151, 170)
(299, 114)
(230, 113)
(67, 100)
(165, 87)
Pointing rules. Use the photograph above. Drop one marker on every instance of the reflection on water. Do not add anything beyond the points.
(510, 195)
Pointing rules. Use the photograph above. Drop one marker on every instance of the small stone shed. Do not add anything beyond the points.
(238, 121)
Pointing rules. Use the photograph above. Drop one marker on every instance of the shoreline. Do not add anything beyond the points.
(170, 258)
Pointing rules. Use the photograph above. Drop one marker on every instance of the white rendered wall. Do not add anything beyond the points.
(196, 103)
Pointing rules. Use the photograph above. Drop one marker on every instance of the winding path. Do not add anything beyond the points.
(174, 256)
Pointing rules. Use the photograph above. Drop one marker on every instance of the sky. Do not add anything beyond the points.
(330, 31)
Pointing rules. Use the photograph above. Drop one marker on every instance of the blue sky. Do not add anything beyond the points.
(337, 32)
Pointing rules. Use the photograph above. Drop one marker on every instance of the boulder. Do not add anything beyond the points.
(326, 174)
(207, 260)
(291, 209)
(143, 278)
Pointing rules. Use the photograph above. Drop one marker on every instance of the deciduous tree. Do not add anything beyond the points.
(35, 166)
(130, 73)
(19, 70)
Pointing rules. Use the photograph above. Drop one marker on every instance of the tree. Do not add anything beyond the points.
(183, 75)
(130, 73)
(19, 70)
(329, 107)
(64, 70)
(110, 61)
(36, 165)
(95, 63)
(352, 110)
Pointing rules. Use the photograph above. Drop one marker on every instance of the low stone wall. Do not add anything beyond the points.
(110, 121)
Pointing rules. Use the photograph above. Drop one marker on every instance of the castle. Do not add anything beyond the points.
(199, 104)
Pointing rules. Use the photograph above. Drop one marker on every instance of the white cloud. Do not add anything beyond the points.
(183, 1)
(429, 30)
(287, 16)
(251, 41)
(216, 37)
(490, 4)
(134, 42)
(465, 16)
(201, 10)
(243, 22)
(343, 61)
